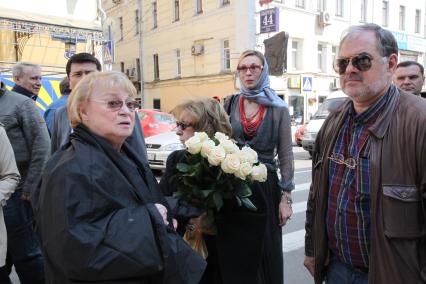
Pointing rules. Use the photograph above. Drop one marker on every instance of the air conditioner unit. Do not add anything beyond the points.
(197, 49)
(324, 18)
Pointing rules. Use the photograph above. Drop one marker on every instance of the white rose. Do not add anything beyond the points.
(220, 136)
(202, 136)
(206, 148)
(216, 155)
(244, 170)
(231, 164)
(229, 146)
(249, 155)
(259, 173)
(193, 145)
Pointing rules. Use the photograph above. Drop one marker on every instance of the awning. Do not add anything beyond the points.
(36, 24)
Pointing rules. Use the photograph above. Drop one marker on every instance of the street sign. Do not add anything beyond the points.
(307, 84)
(269, 20)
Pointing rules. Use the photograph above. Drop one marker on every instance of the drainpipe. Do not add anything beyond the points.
(141, 59)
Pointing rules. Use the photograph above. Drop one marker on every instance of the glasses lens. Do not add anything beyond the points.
(115, 104)
(131, 105)
(340, 65)
(362, 62)
(182, 125)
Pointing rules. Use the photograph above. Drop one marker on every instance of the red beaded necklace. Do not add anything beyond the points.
(250, 124)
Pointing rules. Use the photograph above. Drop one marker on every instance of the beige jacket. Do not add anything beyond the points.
(9, 179)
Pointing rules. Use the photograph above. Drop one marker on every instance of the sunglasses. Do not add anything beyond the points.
(253, 68)
(115, 105)
(182, 125)
(362, 62)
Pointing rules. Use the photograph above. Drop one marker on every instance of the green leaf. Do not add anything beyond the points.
(217, 200)
(182, 167)
(248, 204)
(243, 190)
(205, 193)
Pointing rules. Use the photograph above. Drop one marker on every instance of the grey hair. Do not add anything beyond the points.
(18, 69)
(386, 43)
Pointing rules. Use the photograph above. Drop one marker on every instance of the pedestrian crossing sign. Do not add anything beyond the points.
(307, 84)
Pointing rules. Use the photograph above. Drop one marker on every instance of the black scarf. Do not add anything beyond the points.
(145, 186)
(23, 91)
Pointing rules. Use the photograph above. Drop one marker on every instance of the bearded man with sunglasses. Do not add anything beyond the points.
(366, 213)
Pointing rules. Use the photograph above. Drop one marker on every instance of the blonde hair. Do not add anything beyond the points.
(84, 90)
(250, 52)
(207, 114)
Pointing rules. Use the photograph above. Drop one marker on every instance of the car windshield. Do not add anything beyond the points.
(164, 118)
(326, 106)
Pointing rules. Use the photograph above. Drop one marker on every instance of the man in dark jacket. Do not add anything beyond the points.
(28, 135)
(27, 78)
(366, 213)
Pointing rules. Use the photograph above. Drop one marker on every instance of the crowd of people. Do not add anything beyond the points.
(79, 203)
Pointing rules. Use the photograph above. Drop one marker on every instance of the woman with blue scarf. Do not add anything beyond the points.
(261, 120)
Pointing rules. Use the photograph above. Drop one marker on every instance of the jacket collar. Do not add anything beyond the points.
(379, 128)
(23, 91)
(382, 123)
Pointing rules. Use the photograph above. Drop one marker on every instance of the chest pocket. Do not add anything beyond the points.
(402, 212)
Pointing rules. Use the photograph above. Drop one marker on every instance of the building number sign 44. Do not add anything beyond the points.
(269, 20)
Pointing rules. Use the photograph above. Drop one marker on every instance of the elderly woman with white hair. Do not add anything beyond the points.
(100, 214)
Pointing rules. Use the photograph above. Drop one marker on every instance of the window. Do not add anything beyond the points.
(321, 57)
(156, 103)
(156, 68)
(402, 18)
(198, 6)
(385, 13)
(122, 66)
(321, 5)
(226, 55)
(295, 46)
(300, 4)
(137, 21)
(224, 2)
(339, 8)
(333, 53)
(176, 10)
(138, 69)
(178, 63)
(154, 14)
(120, 21)
(363, 11)
(417, 22)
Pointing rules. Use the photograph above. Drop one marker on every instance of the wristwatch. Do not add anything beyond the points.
(287, 197)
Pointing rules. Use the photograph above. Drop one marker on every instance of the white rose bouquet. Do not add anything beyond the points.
(214, 170)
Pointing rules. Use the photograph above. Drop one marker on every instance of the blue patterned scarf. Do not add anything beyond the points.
(262, 94)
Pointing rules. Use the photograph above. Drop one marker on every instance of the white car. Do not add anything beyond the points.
(159, 148)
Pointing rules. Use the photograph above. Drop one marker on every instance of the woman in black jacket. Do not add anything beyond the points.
(100, 214)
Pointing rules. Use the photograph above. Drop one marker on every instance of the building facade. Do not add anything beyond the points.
(47, 33)
(314, 28)
(189, 48)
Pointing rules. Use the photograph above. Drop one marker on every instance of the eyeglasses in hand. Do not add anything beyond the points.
(340, 159)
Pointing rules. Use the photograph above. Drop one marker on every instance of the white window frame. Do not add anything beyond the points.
(364, 8)
(224, 2)
(417, 21)
(321, 56)
(385, 13)
(339, 8)
(226, 55)
(321, 5)
(402, 17)
(300, 4)
(296, 54)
